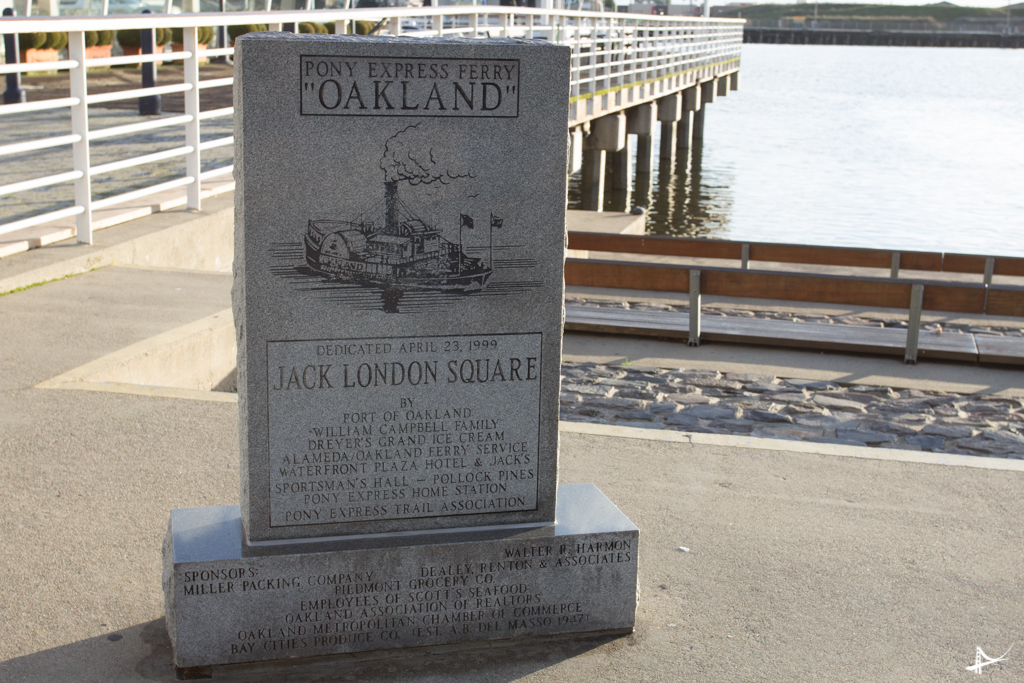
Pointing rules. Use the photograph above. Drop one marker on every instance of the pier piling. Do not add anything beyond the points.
(640, 122)
(575, 149)
(607, 134)
(622, 168)
(684, 131)
(644, 154)
(708, 91)
(592, 179)
(670, 109)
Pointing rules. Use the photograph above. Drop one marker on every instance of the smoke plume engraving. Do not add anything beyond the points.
(409, 155)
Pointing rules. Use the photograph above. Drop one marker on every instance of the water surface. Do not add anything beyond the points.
(908, 148)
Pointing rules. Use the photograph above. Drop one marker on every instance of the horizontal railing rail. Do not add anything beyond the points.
(611, 53)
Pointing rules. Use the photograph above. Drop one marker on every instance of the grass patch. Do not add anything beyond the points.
(46, 282)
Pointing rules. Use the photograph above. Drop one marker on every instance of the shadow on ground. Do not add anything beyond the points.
(143, 653)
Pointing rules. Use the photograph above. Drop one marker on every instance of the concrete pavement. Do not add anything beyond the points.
(801, 564)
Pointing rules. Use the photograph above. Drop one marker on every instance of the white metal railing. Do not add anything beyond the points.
(611, 52)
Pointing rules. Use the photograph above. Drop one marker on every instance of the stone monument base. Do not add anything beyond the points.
(228, 602)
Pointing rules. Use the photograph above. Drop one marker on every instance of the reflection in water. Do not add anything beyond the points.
(681, 198)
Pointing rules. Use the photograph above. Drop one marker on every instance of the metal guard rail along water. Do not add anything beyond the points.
(612, 53)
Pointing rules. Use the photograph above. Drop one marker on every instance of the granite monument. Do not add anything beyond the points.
(400, 236)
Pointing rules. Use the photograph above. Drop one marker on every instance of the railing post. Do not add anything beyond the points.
(894, 266)
(745, 256)
(14, 93)
(80, 127)
(693, 336)
(914, 323)
(222, 37)
(192, 160)
(150, 104)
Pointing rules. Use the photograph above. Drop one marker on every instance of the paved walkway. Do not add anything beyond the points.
(802, 564)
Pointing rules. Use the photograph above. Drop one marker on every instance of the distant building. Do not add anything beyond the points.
(682, 10)
(729, 9)
(509, 3)
(1015, 24)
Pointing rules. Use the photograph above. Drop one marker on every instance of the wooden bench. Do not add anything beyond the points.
(826, 289)
(745, 252)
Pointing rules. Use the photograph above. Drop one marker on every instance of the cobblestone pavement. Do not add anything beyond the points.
(803, 410)
(855, 319)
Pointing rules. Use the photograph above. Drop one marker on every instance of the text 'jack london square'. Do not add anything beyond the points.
(402, 427)
(409, 86)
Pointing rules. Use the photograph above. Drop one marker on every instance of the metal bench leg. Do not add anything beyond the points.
(914, 323)
(693, 338)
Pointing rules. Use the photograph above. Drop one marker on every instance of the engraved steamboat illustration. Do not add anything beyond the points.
(401, 252)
